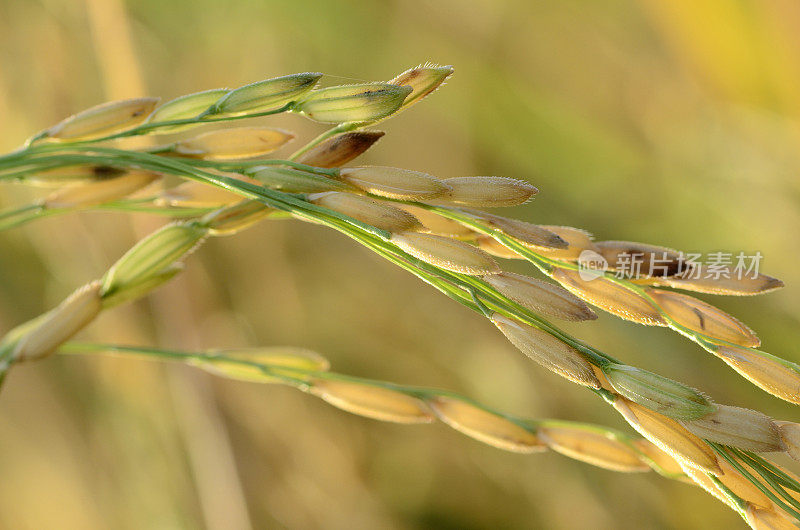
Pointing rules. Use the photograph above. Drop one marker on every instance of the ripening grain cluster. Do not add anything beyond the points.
(450, 232)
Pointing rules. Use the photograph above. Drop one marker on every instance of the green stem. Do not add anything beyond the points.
(768, 478)
(315, 213)
(21, 216)
(304, 379)
(245, 164)
(723, 452)
(756, 460)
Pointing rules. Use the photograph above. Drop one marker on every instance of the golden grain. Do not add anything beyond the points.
(394, 183)
(489, 192)
(704, 481)
(747, 429)
(637, 259)
(439, 225)
(369, 211)
(669, 435)
(611, 297)
(790, 435)
(102, 191)
(772, 519)
(592, 447)
(703, 318)
(577, 241)
(371, 401)
(724, 281)
(237, 143)
(485, 426)
(541, 297)
(527, 233)
(103, 120)
(236, 217)
(71, 175)
(666, 463)
(446, 253)
(198, 195)
(548, 351)
(495, 248)
(423, 80)
(764, 371)
(60, 324)
(741, 487)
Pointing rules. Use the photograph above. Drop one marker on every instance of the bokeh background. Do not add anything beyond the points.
(672, 122)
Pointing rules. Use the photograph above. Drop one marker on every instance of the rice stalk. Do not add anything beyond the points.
(592, 444)
(376, 207)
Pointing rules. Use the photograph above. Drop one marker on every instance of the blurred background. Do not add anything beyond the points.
(672, 122)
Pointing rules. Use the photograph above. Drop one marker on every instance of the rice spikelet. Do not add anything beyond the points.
(723, 281)
(236, 217)
(439, 225)
(185, 107)
(526, 233)
(236, 143)
(274, 358)
(353, 103)
(61, 323)
(763, 370)
(592, 447)
(485, 426)
(577, 241)
(701, 479)
(103, 120)
(772, 519)
(153, 253)
(69, 175)
(703, 318)
(640, 259)
(100, 192)
(548, 351)
(666, 463)
(488, 192)
(193, 194)
(541, 297)
(369, 211)
(790, 435)
(292, 180)
(448, 254)
(668, 435)
(341, 149)
(394, 183)
(610, 297)
(141, 286)
(495, 248)
(747, 429)
(423, 80)
(371, 401)
(742, 487)
(266, 95)
(658, 393)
